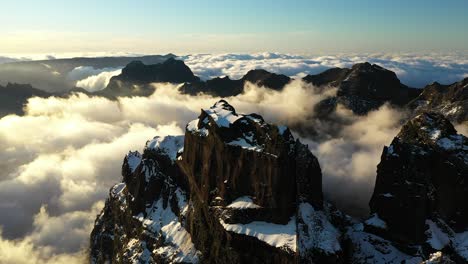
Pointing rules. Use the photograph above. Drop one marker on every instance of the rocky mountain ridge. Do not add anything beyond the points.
(361, 88)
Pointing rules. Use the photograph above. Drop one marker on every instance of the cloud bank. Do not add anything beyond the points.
(415, 70)
(63, 155)
(92, 79)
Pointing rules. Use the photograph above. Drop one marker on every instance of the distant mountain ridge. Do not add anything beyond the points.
(362, 88)
(52, 75)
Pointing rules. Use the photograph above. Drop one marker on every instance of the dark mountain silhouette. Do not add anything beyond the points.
(363, 88)
(136, 77)
(14, 96)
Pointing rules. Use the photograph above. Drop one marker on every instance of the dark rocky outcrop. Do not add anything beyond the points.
(225, 87)
(364, 87)
(14, 96)
(449, 100)
(136, 77)
(422, 187)
(267, 79)
(219, 86)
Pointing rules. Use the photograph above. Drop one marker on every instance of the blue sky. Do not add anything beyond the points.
(301, 26)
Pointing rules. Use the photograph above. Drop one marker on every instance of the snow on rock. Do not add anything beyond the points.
(244, 202)
(241, 142)
(178, 242)
(391, 151)
(282, 129)
(461, 244)
(436, 237)
(136, 251)
(434, 134)
(168, 144)
(192, 126)
(280, 236)
(117, 189)
(375, 221)
(223, 114)
(318, 233)
(372, 249)
(453, 142)
(133, 160)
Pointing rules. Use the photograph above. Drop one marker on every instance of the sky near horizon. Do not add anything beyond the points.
(300, 26)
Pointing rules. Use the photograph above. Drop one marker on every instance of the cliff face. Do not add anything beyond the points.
(235, 189)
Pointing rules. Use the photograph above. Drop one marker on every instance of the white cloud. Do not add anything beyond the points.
(92, 79)
(415, 70)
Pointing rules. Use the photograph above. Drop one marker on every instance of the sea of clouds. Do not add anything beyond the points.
(60, 159)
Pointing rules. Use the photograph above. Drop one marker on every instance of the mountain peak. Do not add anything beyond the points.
(427, 127)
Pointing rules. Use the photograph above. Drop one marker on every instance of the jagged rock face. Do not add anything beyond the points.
(449, 100)
(422, 184)
(251, 175)
(267, 171)
(144, 217)
(238, 190)
(364, 87)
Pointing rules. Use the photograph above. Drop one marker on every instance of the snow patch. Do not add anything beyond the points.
(436, 237)
(170, 145)
(241, 142)
(372, 249)
(319, 234)
(282, 129)
(192, 126)
(375, 221)
(222, 116)
(244, 202)
(117, 189)
(133, 160)
(434, 134)
(280, 236)
(461, 244)
(390, 151)
(452, 143)
(178, 241)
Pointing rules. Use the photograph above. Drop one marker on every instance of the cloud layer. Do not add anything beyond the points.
(415, 70)
(61, 158)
